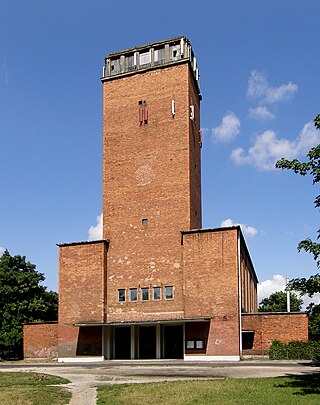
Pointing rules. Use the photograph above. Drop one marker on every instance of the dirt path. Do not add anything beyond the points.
(85, 379)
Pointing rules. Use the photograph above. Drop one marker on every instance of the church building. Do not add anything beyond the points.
(157, 285)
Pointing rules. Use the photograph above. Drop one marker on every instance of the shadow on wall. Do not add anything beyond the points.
(89, 341)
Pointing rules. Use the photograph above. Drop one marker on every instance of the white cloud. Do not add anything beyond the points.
(95, 232)
(268, 148)
(261, 113)
(248, 230)
(228, 129)
(259, 88)
(278, 283)
(2, 250)
(268, 287)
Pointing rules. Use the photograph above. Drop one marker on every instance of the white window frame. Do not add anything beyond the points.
(165, 292)
(141, 291)
(136, 290)
(153, 290)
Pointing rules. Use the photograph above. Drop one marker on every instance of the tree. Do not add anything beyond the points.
(311, 285)
(22, 299)
(277, 302)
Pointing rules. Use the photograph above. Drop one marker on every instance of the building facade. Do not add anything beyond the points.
(157, 285)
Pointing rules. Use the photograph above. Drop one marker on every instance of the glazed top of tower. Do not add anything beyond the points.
(151, 56)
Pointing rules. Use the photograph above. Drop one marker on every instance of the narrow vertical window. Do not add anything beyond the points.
(133, 294)
(173, 109)
(145, 112)
(144, 294)
(141, 115)
(121, 295)
(192, 112)
(156, 293)
(168, 292)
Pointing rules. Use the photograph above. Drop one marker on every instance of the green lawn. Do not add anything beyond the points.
(32, 388)
(258, 391)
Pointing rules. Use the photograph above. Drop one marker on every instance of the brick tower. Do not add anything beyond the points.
(151, 169)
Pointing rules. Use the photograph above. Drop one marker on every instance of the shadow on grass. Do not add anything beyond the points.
(306, 384)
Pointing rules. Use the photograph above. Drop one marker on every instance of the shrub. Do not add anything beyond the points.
(295, 350)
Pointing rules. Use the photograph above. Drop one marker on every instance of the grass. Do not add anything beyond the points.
(32, 388)
(259, 391)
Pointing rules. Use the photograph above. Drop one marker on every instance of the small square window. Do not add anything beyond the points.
(144, 221)
(145, 294)
(168, 292)
(133, 294)
(121, 295)
(156, 293)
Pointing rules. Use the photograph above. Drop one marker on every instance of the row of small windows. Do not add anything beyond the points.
(144, 59)
(158, 293)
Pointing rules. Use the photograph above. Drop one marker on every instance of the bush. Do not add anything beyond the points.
(295, 350)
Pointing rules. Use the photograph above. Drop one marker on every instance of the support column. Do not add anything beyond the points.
(133, 341)
(158, 341)
(106, 342)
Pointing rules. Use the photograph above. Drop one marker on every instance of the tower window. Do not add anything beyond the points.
(144, 294)
(129, 63)
(168, 292)
(156, 293)
(115, 67)
(145, 59)
(133, 294)
(144, 221)
(159, 56)
(143, 112)
(121, 295)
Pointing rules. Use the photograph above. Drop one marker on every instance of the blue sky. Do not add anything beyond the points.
(259, 76)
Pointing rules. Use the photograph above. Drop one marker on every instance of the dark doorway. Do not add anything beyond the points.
(147, 342)
(247, 339)
(173, 341)
(122, 340)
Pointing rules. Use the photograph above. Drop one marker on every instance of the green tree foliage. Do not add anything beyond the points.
(314, 322)
(22, 299)
(312, 166)
(277, 302)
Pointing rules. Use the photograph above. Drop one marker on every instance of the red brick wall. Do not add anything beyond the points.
(40, 340)
(211, 286)
(287, 327)
(82, 286)
(147, 170)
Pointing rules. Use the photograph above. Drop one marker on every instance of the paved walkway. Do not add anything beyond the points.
(86, 377)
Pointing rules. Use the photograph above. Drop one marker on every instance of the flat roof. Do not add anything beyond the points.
(149, 45)
(85, 242)
(148, 322)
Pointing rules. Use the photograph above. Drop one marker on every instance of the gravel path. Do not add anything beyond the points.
(85, 379)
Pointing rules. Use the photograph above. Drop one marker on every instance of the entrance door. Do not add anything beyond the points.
(122, 343)
(147, 342)
(173, 341)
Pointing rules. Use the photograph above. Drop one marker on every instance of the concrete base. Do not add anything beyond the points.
(211, 358)
(80, 359)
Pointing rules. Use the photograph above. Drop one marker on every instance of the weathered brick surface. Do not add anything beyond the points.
(82, 286)
(211, 286)
(287, 327)
(40, 340)
(147, 172)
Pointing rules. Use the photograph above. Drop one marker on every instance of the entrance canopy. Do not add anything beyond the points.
(143, 323)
